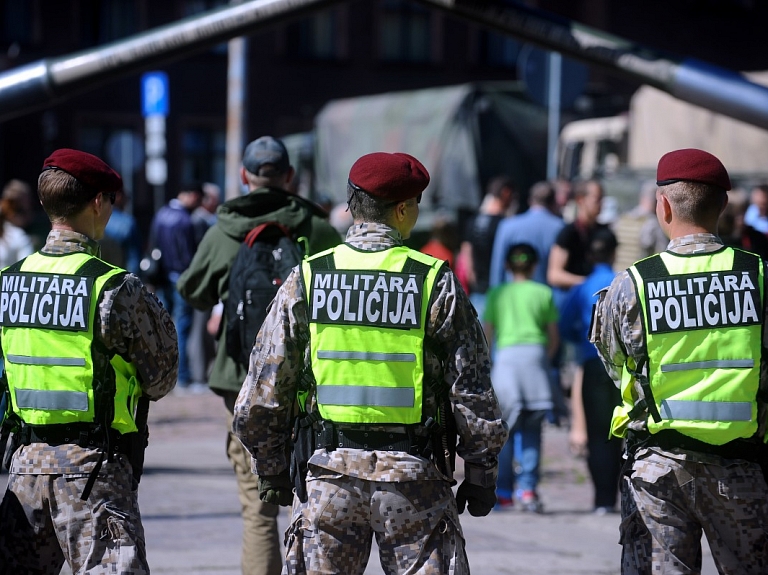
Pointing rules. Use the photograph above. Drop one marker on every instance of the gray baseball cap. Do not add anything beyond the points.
(266, 150)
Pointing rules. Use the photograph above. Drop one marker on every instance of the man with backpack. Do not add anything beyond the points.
(267, 173)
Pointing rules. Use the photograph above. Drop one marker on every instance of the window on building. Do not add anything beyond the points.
(405, 32)
(16, 25)
(121, 145)
(117, 19)
(316, 37)
(498, 50)
(192, 7)
(203, 152)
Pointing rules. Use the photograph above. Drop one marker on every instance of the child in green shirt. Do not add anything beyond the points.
(521, 317)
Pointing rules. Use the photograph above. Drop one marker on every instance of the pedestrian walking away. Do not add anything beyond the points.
(384, 389)
(85, 346)
(521, 320)
(683, 335)
(267, 172)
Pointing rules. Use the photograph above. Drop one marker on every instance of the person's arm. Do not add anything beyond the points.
(553, 340)
(204, 283)
(577, 435)
(264, 407)
(142, 331)
(488, 330)
(498, 253)
(557, 276)
(465, 255)
(457, 331)
(615, 325)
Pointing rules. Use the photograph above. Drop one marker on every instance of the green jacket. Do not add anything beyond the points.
(206, 280)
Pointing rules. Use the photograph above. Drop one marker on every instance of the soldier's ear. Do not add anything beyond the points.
(665, 207)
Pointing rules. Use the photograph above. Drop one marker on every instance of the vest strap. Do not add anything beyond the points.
(366, 395)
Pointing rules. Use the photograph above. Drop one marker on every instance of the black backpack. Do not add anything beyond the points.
(265, 258)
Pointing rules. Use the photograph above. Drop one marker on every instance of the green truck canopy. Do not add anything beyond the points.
(465, 135)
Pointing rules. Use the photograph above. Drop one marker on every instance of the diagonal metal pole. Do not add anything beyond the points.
(717, 89)
(44, 82)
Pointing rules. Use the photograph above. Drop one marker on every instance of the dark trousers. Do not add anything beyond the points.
(600, 396)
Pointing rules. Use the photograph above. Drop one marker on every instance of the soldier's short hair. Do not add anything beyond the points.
(62, 195)
(694, 202)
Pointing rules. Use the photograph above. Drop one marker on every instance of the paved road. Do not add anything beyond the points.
(189, 504)
(191, 511)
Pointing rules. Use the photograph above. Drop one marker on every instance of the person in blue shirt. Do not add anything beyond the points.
(594, 395)
(539, 227)
(173, 233)
(122, 243)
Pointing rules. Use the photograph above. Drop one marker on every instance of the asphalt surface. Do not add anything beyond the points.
(191, 513)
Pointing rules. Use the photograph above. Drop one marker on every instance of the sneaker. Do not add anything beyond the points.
(529, 501)
(503, 503)
(604, 510)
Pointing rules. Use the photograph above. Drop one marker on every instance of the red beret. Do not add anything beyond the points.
(85, 168)
(395, 177)
(692, 165)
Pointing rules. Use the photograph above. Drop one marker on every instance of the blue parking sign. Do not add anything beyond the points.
(154, 94)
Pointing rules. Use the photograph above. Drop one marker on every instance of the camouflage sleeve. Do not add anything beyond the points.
(453, 324)
(616, 329)
(264, 407)
(134, 325)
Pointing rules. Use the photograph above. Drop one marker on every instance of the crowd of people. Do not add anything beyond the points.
(377, 363)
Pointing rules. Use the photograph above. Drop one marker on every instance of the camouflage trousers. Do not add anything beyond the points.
(415, 523)
(666, 504)
(43, 522)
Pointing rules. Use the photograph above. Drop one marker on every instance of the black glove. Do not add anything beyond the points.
(276, 489)
(479, 500)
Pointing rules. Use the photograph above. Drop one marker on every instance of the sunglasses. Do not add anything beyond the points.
(112, 197)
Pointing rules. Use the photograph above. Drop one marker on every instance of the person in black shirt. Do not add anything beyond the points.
(476, 249)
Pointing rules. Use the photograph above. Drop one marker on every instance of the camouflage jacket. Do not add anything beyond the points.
(264, 407)
(130, 322)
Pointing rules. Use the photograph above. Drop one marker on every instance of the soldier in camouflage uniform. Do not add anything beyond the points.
(71, 493)
(374, 468)
(683, 334)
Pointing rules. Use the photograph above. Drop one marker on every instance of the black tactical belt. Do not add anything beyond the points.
(333, 438)
(670, 439)
(84, 436)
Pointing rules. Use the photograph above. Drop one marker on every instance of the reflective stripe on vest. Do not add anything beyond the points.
(47, 321)
(27, 360)
(365, 355)
(364, 395)
(367, 314)
(706, 410)
(703, 323)
(722, 363)
(51, 400)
